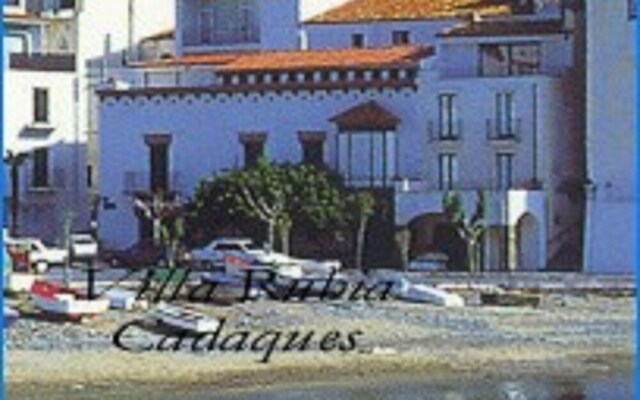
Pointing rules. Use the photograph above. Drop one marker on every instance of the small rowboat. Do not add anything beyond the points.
(56, 299)
(183, 318)
(420, 293)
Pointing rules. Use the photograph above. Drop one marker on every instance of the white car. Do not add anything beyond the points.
(235, 252)
(239, 249)
(83, 246)
(41, 256)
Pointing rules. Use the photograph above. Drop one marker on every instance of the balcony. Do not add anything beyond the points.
(136, 182)
(438, 132)
(505, 132)
(418, 197)
(54, 62)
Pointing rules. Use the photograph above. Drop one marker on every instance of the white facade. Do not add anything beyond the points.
(39, 67)
(59, 53)
(510, 134)
(612, 107)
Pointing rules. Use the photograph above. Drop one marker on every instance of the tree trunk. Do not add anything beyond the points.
(271, 227)
(360, 242)
(285, 237)
(471, 256)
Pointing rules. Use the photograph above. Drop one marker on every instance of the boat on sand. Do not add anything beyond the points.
(57, 299)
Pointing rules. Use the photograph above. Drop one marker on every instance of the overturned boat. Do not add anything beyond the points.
(421, 293)
(57, 299)
(182, 318)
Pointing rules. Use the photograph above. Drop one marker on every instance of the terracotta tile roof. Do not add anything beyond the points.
(385, 10)
(366, 116)
(399, 56)
(506, 28)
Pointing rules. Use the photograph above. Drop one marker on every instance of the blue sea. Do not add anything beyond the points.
(608, 387)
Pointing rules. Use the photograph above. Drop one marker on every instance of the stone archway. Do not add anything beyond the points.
(528, 243)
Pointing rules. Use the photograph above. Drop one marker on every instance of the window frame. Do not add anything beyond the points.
(448, 171)
(358, 40)
(509, 54)
(401, 37)
(447, 105)
(41, 105)
(40, 178)
(504, 182)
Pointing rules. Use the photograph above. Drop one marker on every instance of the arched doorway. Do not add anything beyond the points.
(528, 230)
(422, 229)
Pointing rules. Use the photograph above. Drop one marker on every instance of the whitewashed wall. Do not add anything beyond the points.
(42, 212)
(377, 34)
(612, 139)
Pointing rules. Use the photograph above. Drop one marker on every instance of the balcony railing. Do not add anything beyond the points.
(504, 131)
(140, 182)
(424, 186)
(57, 62)
(438, 132)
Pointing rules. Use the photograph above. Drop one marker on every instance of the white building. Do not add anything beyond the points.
(612, 106)
(455, 105)
(54, 56)
(39, 64)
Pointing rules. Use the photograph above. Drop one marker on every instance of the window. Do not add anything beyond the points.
(312, 147)
(509, 59)
(228, 22)
(400, 38)
(367, 158)
(89, 176)
(159, 166)
(41, 105)
(159, 145)
(448, 169)
(67, 4)
(447, 119)
(40, 173)
(632, 9)
(253, 147)
(505, 115)
(11, 2)
(504, 170)
(357, 40)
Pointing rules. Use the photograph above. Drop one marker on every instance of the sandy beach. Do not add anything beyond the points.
(567, 335)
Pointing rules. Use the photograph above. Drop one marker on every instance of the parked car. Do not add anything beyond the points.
(239, 248)
(83, 246)
(234, 253)
(429, 262)
(40, 256)
(141, 254)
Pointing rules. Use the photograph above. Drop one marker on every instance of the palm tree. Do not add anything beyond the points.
(15, 161)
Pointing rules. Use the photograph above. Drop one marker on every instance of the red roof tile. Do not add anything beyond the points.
(366, 116)
(399, 56)
(385, 10)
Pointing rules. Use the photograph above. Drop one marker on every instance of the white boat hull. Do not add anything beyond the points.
(184, 319)
(70, 306)
(428, 294)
